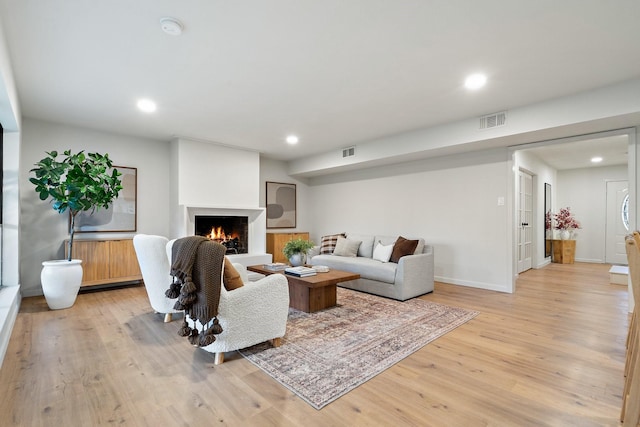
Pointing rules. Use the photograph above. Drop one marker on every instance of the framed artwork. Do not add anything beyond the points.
(281, 205)
(121, 215)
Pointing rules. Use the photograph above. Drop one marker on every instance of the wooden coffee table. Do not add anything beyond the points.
(311, 293)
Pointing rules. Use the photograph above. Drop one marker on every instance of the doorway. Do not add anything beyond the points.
(617, 222)
(525, 220)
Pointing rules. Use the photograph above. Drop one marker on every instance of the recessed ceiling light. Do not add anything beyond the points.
(475, 81)
(171, 26)
(596, 159)
(146, 105)
(292, 139)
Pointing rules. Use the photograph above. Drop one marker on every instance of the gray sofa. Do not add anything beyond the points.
(410, 277)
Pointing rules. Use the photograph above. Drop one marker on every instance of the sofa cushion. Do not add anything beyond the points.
(366, 247)
(346, 247)
(382, 252)
(231, 278)
(403, 247)
(367, 268)
(328, 242)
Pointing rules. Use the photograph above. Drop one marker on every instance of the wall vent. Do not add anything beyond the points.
(493, 120)
(349, 151)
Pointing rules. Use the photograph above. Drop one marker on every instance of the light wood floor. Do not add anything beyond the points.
(550, 354)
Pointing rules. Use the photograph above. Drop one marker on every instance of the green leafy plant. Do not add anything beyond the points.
(79, 182)
(297, 246)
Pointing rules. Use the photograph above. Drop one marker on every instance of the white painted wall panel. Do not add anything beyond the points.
(584, 191)
(43, 230)
(450, 201)
(215, 175)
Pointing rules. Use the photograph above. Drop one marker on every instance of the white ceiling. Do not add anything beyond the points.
(578, 154)
(248, 72)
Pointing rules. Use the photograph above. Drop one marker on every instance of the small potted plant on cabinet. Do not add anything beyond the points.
(79, 182)
(296, 251)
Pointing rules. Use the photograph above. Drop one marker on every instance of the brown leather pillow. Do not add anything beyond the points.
(403, 247)
(231, 277)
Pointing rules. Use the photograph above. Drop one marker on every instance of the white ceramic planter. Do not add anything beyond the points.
(297, 260)
(61, 281)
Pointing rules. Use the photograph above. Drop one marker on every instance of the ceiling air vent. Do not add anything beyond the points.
(493, 120)
(349, 151)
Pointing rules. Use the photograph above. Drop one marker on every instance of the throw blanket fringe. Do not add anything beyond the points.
(196, 267)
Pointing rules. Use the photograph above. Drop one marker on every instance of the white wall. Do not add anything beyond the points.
(450, 201)
(43, 230)
(542, 173)
(216, 175)
(584, 191)
(275, 171)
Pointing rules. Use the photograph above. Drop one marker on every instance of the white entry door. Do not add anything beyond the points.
(525, 220)
(617, 222)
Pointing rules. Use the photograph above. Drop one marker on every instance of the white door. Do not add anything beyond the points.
(617, 222)
(525, 220)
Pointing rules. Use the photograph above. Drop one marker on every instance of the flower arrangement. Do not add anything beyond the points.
(565, 221)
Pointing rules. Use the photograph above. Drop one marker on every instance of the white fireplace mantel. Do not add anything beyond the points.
(257, 225)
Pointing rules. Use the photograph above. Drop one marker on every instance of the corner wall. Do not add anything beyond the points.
(585, 192)
(43, 230)
(450, 201)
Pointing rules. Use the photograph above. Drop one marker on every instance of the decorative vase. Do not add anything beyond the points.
(61, 281)
(297, 260)
(565, 234)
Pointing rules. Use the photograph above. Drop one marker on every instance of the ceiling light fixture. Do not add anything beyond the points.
(292, 139)
(596, 159)
(146, 105)
(475, 81)
(171, 26)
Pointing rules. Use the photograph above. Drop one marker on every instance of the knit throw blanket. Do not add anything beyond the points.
(196, 267)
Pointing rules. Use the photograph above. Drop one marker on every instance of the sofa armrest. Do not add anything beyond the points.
(415, 273)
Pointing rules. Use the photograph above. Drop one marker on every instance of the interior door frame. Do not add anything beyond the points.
(633, 159)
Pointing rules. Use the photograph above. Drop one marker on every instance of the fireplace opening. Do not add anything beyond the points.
(230, 231)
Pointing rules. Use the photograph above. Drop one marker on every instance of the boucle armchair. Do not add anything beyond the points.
(154, 265)
(252, 314)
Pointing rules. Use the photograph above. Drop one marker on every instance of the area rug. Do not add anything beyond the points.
(328, 353)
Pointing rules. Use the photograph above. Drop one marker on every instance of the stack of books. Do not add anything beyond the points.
(300, 271)
(275, 266)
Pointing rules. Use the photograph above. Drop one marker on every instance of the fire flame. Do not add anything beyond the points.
(218, 234)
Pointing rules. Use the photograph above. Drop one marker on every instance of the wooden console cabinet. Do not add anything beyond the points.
(564, 251)
(106, 261)
(276, 241)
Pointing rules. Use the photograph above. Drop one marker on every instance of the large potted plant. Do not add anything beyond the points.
(296, 251)
(78, 182)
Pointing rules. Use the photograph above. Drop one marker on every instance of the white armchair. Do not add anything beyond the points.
(155, 268)
(254, 313)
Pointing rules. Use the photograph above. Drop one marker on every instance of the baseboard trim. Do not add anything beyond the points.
(472, 284)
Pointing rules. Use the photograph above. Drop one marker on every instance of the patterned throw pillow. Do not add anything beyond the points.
(328, 243)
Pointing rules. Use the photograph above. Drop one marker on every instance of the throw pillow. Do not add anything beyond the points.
(346, 247)
(231, 278)
(328, 243)
(403, 247)
(382, 252)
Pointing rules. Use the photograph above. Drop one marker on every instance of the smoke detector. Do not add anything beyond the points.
(171, 26)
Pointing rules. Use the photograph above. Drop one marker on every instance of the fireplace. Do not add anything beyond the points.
(230, 231)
